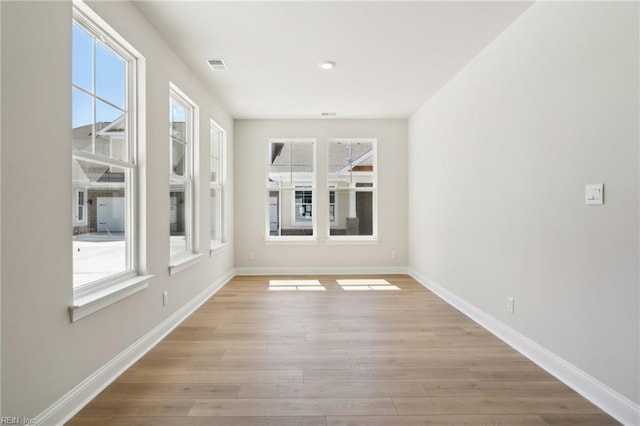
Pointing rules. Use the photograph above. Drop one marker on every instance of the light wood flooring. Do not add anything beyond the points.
(254, 356)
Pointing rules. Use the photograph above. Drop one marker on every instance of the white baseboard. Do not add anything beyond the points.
(67, 406)
(321, 270)
(616, 405)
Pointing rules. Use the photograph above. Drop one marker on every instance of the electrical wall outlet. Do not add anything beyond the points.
(394, 255)
(165, 298)
(510, 306)
(251, 255)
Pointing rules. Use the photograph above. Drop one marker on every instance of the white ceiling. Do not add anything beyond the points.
(391, 56)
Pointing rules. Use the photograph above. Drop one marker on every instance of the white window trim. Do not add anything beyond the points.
(219, 248)
(92, 297)
(190, 179)
(90, 302)
(357, 239)
(183, 262)
(292, 239)
(220, 185)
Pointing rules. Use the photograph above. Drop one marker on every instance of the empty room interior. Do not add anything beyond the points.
(319, 213)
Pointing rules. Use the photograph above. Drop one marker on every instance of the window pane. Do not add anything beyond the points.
(214, 168)
(353, 213)
(82, 69)
(215, 145)
(110, 76)
(350, 163)
(111, 130)
(273, 203)
(290, 164)
(177, 218)
(214, 208)
(99, 248)
(81, 117)
(290, 213)
(178, 121)
(178, 150)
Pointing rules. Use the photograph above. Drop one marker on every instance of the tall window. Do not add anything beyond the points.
(217, 151)
(352, 189)
(181, 192)
(291, 190)
(103, 156)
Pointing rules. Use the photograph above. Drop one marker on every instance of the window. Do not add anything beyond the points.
(352, 189)
(291, 191)
(332, 206)
(80, 217)
(217, 150)
(303, 207)
(182, 203)
(103, 156)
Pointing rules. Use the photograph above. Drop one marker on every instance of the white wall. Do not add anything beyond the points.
(43, 354)
(250, 153)
(498, 163)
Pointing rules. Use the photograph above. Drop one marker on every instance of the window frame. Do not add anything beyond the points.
(219, 185)
(308, 186)
(95, 295)
(184, 258)
(105, 35)
(354, 239)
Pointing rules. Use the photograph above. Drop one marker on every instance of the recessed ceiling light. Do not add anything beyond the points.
(327, 65)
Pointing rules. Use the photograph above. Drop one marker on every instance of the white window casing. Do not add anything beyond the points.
(105, 164)
(183, 160)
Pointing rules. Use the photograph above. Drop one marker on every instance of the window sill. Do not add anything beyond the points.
(291, 241)
(183, 262)
(218, 248)
(94, 301)
(352, 241)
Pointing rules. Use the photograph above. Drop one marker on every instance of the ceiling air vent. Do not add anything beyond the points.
(217, 64)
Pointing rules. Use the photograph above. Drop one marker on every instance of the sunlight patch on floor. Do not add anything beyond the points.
(295, 285)
(366, 285)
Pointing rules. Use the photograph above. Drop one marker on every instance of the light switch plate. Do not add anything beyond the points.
(594, 194)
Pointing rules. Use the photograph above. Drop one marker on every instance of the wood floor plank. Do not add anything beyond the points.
(179, 375)
(200, 421)
(399, 374)
(124, 390)
(262, 363)
(442, 420)
(578, 420)
(332, 390)
(495, 405)
(293, 407)
(104, 407)
(253, 357)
